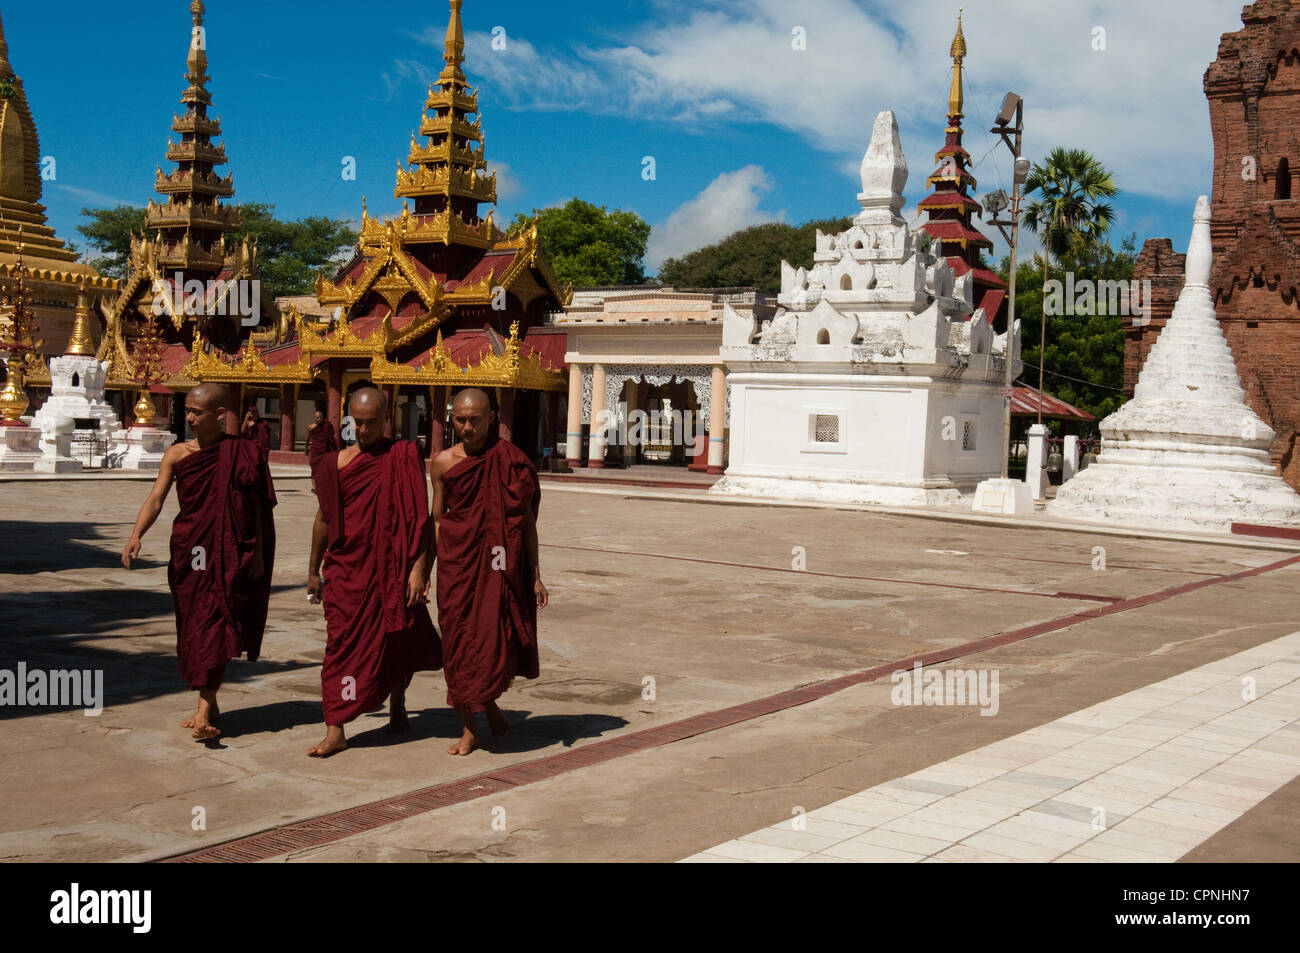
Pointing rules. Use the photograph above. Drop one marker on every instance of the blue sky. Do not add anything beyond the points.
(742, 126)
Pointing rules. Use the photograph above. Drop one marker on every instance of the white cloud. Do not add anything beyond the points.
(728, 204)
(1137, 105)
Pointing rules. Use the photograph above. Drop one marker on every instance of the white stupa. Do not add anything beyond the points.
(873, 383)
(1186, 452)
(76, 402)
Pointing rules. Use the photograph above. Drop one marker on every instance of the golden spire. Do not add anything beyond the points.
(5, 68)
(197, 60)
(454, 53)
(80, 342)
(958, 53)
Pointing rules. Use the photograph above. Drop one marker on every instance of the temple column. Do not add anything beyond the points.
(573, 426)
(235, 412)
(288, 415)
(596, 453)
(334, 410)
(506, 413)
(390, 425)
(717, 419)
(633, 398)
(437, 408)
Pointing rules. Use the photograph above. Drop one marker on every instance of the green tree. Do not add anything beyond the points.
(109, 231)
(587, 245)
(750, 257)
(1085, 351)
(290, 254)
(1074, 222)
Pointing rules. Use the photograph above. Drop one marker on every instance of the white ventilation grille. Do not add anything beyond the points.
(826, 428)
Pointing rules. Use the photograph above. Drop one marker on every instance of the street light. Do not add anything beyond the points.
(1012, 111)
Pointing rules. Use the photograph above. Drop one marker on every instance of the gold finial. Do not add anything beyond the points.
(5, 69)
(958, 53)
(80, 342)
(454, 54)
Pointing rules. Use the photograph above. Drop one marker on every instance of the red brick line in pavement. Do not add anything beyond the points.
(1074, 596)
(318, 831)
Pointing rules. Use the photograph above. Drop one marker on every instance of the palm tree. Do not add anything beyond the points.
(1071, 184)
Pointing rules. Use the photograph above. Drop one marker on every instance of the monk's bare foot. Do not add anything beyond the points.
(205, 716)
(466, 744)
(398, 722)
(333, 742)
(203, 732)
(497, 720)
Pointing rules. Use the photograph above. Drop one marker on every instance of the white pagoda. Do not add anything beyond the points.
(1186, 452)
(874, 382)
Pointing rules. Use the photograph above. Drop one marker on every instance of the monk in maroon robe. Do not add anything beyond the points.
(321, 439)
(222, 548)
(485, 499)
(372, 531)
(256, 430)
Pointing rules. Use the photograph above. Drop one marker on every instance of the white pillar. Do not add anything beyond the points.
(1036, 465)
(573, 426)
(1069, 457)
(717, 418)
(596, 453)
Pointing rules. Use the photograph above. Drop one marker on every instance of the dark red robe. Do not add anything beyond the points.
(488, 615)
(220, 612)
(376, 508)
(260, 434)
(320, 441)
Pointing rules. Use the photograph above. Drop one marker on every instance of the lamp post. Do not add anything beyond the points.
(1012, 109)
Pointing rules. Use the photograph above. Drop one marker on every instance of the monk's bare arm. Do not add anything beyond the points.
(530, 543)
(437, 467)
(319, 534)
(153, 504)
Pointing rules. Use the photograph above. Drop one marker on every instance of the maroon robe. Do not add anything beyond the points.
(220, 612)
(320, 441)
(376, 509)
(488, 615)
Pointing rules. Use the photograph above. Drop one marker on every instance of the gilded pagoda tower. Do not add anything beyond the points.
(432, 299)
(51, 273)
(949, 207)
(185, 287)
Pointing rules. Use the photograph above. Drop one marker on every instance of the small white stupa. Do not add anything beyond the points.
(76, 402)
(873, 383)
(1186, 452)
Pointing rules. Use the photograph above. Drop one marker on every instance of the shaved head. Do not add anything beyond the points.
(368, 408)
(472, 418)
(211, 394)
(472, 397)
(368, 397)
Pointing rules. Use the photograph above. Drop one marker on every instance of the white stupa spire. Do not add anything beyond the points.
(1186, 451)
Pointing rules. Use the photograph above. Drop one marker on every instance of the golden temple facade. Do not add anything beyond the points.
(50, 272)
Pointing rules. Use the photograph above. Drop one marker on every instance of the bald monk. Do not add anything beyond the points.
(485, 498)
(372, 531)
(321, 438)
(222, 548)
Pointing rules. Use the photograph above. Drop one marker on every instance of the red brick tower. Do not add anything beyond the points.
(1253, 89)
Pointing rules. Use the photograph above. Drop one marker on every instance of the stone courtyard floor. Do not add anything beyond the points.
(700, 697)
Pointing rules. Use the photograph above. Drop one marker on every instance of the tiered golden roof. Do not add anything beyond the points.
(192, 222)
(448, 170)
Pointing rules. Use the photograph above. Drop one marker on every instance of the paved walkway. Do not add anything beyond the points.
(1143, 777)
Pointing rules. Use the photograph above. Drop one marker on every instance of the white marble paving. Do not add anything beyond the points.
(1142, 777)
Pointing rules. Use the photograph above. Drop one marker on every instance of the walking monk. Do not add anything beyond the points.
(321, 439)
(222, 548)
(485, 498)
(372, 531)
